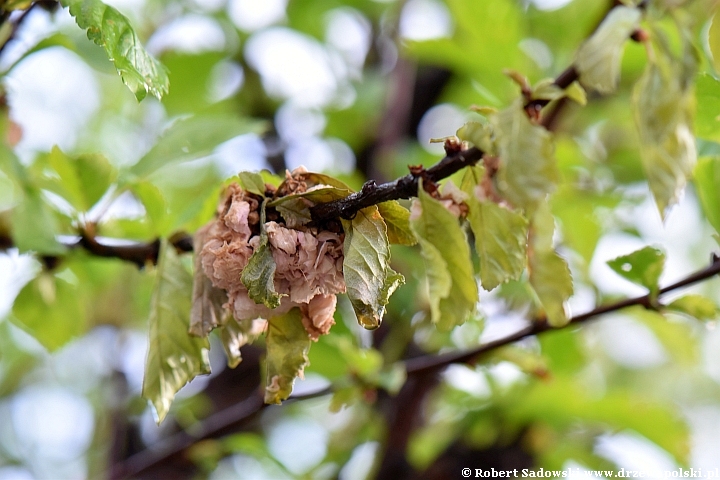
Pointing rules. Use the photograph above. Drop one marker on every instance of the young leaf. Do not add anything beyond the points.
(397, 219)
(208, 300)
(549, 273)
(696, 306)
(174, 357)
(287, 347)
(51, 310)
(528, 170)
(191, 138)
(369, 279)
(453, 289)
(707, 182)
(642, 267)
(500, 237)
(252, 182)
(258, 276)
(82, 180)
(598, 59)
(34, 227)
(663, 112)
(479, 134)
(111, 30)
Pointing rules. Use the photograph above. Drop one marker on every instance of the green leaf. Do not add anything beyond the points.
(155, 205)
(174, 357)
(208, 300)
(369, 279)
(295, 208)
(453, 289)
(82, 180)
(598, 59)
(576, 93)
(642, 267)
(479, 134)
(397, 219)
(192, 138)
(549, 273)
(34, 226)
(663, 113)
(252, 182)
(287, 347)
(500, 237)
(696, 306)
(258, 276)
(707, 182)
(707, 116)
(528, 170)
(714, 40)
(51, 310)
(234, 334)
(111, 30)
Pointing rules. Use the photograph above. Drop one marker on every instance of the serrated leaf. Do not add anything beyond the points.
(51, 310)
(366, 267)
(453, 290)
(598, 59)
(696, 306)
(707, 182)
(287, 345)
(642, 267)
(208, 300)
(258, 276)
(548, 272)
(528, 171)
(111, 30)
(34, 227)
(479, 134)
(192, 138)
(663, 112)
(252, 182)
(174, 357)
(397, 219)
(500, 238)
(82, 181)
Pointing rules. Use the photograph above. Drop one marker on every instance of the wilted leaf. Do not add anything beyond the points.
(369, 279)
(549, 273)
(663, 112)
(258, 276)
(397, 219)
(527, 166)
(208, 300)
(444, 246)
(174, 357)
(696, 306)
(252, 182)
(598, 59)
(500, 238)
(642, 267)
(192, 138)
(295, 208)
(707, 182)
(111, 30)
(51, 310)
(234, 334)
(287, 347)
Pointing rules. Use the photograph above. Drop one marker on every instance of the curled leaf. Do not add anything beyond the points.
(207, 307)
(259, 274)
(287, 347)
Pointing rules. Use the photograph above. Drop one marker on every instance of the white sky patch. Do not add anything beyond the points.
(293, 65)
(538, 51)
(350, 33)
(243, 153)
(294, 122)
(629, 343)
(251, 15)
(425, 20)
(312, 152)
(631, 451)
(550, 4)
(15, 271)
(226, 78)
(360, 463)
(44, 100)
(190, 33)
(468, 380)
(299, 443)
(440, 121)
(705, 424)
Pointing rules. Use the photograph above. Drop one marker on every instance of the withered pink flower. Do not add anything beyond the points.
(308, 264)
